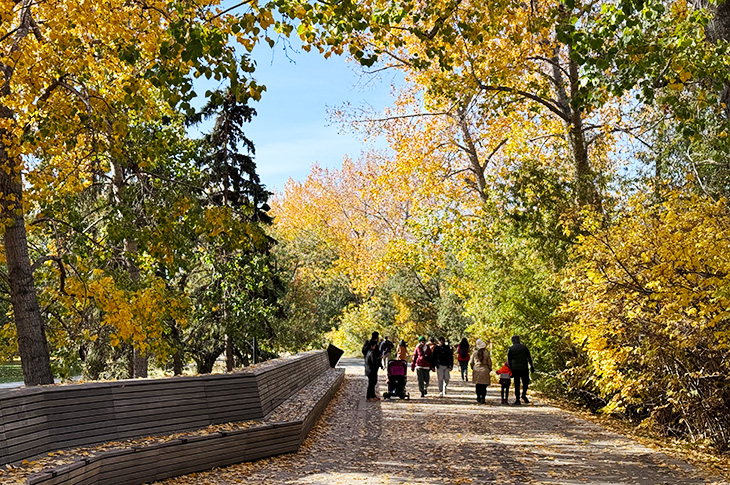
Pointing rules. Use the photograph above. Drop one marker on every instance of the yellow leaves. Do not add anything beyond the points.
(654, 282)
(135, 316)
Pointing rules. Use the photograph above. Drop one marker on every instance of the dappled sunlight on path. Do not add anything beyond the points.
(454, 440)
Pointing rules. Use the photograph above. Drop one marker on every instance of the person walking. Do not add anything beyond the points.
(481, 365)
(422, 365)
(386, 347)
(443, 358)
(372, 364)
(402, 351)
(505, 377)
(519, 361)
(463, 356)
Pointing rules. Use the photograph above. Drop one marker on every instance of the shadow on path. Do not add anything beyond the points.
(454, 440)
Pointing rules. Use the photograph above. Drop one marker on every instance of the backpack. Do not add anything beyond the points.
(463, 352)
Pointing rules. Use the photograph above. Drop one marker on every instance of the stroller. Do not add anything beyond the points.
(397, 380)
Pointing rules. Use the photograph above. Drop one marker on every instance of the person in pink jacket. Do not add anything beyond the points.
(421, 363)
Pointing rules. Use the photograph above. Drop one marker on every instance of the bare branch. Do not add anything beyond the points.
(525, 94)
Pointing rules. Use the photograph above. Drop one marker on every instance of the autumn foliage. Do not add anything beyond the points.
(557, 170)
(565, 168)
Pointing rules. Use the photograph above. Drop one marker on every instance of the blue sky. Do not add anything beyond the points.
(291, 130)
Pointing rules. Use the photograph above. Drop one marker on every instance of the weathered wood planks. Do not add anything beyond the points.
(189, 455)
(41, 419)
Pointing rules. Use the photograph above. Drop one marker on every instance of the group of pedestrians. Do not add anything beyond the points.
(439, 356)
(432, 355)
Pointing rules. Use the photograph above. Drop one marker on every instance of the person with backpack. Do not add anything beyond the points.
(463, 356)
(421, 364)
(443, 357)
(366, 345)
(519, 359)
(386, 347)
(481, 365)
(372, 364)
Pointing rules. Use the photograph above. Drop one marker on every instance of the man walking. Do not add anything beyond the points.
(443, 357)
(519, 361)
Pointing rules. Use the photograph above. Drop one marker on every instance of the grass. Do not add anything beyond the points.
(11, 373)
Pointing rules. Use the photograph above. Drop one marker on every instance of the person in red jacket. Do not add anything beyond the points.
(505, 376)
(422, 365)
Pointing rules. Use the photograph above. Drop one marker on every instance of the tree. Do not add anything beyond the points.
(72, 81)
(650, 306)
(236, 195)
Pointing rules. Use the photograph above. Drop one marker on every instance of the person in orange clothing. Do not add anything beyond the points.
(403, 351)
(505, 376)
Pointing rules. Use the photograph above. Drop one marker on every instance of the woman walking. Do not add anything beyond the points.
(481, 364)
(402, 351)
(462, 356)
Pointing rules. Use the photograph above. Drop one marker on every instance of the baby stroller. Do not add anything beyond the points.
(397, 380)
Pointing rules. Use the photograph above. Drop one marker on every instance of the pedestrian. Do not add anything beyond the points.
(505, 376)
(386, 347)
(422, 365)
(403, 351)
(481, 366)
(372, 364)
(463, 356)
(443, 356)
(519, 360)
(366, 345)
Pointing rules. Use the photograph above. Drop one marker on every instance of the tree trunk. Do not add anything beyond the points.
(718, 29)
(585, 189)
(32, 344)
(230, 364)
(472, 153)
(140, 359)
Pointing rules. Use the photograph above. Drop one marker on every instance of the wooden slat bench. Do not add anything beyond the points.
(37, 420)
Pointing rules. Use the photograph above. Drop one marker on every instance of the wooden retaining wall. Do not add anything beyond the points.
(37, 420)
(188, 455)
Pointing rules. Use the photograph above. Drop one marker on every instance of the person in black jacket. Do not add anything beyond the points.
(519, 361)
(443, 357)
(372, 364)
(366, 345)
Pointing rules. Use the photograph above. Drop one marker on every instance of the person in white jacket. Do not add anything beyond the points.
(481, 364)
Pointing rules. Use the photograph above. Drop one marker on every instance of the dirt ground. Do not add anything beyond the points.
(454, 440)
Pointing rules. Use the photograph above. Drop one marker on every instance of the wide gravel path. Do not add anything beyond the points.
(454, 440)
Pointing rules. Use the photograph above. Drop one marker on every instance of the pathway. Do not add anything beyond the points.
(453, 440)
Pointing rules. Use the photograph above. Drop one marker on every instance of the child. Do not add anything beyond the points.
(505, 375)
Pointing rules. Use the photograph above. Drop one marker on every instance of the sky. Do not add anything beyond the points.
(291, 130)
